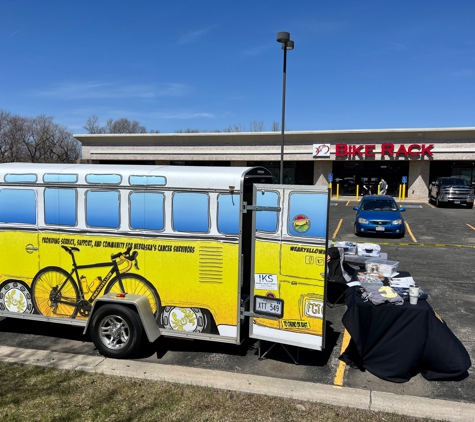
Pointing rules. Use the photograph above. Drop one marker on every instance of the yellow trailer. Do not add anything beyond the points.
(211, 249)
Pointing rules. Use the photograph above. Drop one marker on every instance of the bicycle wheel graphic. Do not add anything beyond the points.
(138, 285)
(55, 293)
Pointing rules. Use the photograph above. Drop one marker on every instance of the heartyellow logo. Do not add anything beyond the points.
(301, 223)
(321, 150)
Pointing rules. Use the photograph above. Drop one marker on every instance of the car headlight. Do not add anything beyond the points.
(396, 222)
(362, 220)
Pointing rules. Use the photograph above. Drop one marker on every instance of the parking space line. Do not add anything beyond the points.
(337, 229)
(437, 245)
(473, 228)
(410, 232)
(340, 372)
(347, 203)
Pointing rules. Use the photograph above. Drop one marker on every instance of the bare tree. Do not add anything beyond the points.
(36, 139)
(92, 125)
(189, 130)
(275, 126)
(234, 128)
(124, 126)
(256, 126)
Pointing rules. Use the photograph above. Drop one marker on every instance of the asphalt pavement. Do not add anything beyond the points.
(438, 250)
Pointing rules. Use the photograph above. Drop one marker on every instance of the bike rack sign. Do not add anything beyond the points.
(369, 150)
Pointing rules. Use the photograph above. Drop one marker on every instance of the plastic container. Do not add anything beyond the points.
(368, 249)
(381, 266)
(348, 247)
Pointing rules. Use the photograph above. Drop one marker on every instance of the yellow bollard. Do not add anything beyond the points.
(399, 193)
(403, 191)
(337, 190)
(330, 187)
(357, 191)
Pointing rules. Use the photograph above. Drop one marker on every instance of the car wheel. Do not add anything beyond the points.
(356, 231)
(470, 206)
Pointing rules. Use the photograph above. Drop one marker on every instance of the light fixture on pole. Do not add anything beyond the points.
(287, 44)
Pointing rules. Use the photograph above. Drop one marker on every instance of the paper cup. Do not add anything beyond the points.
(413, 294)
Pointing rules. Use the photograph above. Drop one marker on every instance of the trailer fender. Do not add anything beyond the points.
(137, 302)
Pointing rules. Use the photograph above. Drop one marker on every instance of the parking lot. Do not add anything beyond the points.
(438, 250)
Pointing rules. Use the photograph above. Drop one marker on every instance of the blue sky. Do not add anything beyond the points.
(208, 65)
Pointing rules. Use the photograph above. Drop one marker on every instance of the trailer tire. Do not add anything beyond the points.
(116, 331)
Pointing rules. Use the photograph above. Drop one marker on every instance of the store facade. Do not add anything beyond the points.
(409, 157)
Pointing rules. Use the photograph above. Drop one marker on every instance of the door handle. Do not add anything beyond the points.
(30, 248)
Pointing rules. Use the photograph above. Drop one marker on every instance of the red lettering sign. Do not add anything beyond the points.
(413, 150)
(387, 149)
(401, 151)
(369, 150)
(427, 150)
(341, 150)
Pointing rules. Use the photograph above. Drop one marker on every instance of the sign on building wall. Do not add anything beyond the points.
(321, 150)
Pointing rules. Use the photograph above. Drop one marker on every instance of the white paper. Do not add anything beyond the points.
(402, 282)
(265, 281)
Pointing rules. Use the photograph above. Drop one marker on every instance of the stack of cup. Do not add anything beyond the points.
(413, 294)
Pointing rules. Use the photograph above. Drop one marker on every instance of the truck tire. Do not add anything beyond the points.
(116, 331)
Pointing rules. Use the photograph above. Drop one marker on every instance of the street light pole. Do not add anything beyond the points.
(287, 44)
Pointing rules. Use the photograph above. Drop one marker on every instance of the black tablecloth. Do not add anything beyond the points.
(396, 342)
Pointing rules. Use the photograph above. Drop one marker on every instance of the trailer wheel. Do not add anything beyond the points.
(116, 331)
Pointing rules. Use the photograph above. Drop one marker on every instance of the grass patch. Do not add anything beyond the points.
(35, 393)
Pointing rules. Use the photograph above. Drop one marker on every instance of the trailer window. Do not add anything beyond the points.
(191, 212)
(305, 215)
(266, 221)
(228, 213)
(102, 209)
(146, 210)
(60, 206)
(60, 178)
(104, 179)
(20, 178)
(18, 206)
(147, 181)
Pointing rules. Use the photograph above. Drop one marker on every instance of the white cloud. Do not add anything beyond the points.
(462, 73)
(95, 89)
(193, 36)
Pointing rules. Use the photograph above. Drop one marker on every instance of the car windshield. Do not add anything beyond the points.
(379, 205)
(458, 182)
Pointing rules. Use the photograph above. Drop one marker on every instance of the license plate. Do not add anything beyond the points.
(380, 228)
(456, 202)
(268, 306)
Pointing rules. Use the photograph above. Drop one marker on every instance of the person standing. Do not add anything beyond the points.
(383, 187)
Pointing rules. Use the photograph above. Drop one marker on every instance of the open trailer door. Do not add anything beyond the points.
(288, 268)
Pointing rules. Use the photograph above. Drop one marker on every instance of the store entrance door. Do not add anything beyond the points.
(350, 174)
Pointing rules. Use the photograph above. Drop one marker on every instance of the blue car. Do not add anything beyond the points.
(379, 214)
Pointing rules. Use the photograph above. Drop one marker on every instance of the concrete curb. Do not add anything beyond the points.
(306, 391)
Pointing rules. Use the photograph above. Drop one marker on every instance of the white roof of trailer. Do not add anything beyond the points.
(199, 177)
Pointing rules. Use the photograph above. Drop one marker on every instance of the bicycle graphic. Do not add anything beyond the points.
(59, 293)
